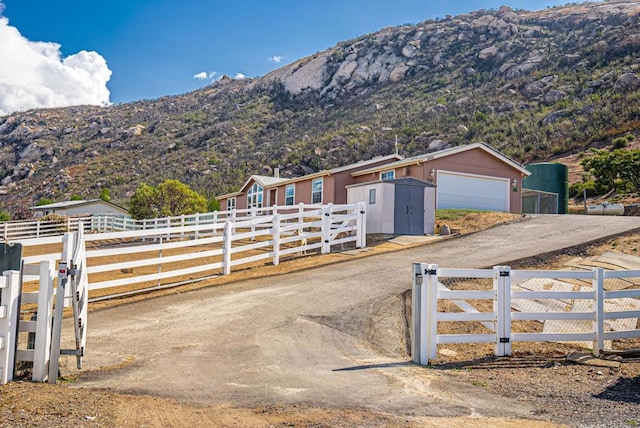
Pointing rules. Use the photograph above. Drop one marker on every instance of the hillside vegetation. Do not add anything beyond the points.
(535, 85)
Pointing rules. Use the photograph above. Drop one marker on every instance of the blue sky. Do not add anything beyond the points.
(155, 47)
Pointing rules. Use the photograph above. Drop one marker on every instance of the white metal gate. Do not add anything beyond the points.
(590, 307)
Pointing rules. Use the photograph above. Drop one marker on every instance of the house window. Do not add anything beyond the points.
(290, 194)
(388, 175)
(231, 204)
(254, 196)
(316, 191)
(372, 196)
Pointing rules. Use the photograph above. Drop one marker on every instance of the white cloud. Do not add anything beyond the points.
(33, 74)
(203, 75)
(276, 58)
(240, 76)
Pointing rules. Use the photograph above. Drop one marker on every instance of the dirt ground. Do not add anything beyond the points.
(538, 374)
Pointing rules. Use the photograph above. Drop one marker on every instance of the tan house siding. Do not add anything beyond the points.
(303, 192)
(474, 159)
(340, 183)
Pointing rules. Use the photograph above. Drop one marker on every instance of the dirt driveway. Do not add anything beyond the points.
(332, 337)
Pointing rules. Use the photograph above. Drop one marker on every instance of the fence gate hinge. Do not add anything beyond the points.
(505, 273)
(504, 340)
(430, 271)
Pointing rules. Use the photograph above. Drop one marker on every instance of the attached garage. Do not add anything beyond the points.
(474, 176)
(481, 192)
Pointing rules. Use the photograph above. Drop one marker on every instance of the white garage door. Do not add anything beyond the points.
(478, 192)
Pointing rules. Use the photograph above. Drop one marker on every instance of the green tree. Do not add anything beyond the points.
(75, 198)
(105, 195)
(177, 198)
(630, 168)
(143, 203)
(617, 167)
(213, 205)
(169, 198)
(43, 201)
(5, 216)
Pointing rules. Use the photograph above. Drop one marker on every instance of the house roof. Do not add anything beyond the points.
(364, 163)
(443, 153)
(409, 181)
(268, 181)
(68, 204)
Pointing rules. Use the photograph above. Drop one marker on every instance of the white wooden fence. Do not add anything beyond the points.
(157, 255)
(17, 231)
(592, 308)
(112, 263)
(9, 312)
(36, 339)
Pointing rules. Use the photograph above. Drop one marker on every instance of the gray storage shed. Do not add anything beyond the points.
(405, 206)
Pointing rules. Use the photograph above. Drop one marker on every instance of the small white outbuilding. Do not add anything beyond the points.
(82, 207)
(405, 206)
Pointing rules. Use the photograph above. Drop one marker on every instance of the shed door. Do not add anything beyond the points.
(409, 210)
(478, 192)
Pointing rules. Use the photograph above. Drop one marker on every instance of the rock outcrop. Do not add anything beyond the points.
(528, 83)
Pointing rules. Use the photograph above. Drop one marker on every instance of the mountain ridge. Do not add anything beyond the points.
(531, 84)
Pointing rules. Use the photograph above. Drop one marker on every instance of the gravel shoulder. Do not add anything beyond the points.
(279, 351)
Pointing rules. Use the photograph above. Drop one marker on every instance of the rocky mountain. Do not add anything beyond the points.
(532, 84)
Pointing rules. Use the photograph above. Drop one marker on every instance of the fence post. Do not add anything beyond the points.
(41, 350)
(429, 316)
(226, 248)
(502, 309)
(300, 212)
(9, 313)
(68, 245)
(416, 312)
(56, 334)
(361, 223)
(326, 230)
(253, 227)
(276, 239)
(159, 260)
(181, 225)
(598, 323)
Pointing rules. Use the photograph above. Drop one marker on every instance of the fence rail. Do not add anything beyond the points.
(17, 231)
(165, 251)
(593, 308)
(158, 254)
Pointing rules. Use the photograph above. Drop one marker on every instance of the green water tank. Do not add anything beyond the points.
(551, 178)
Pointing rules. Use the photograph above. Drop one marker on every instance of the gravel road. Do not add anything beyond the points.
(332, 336)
